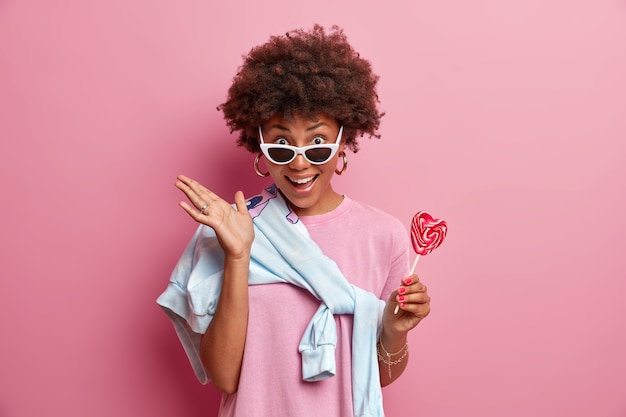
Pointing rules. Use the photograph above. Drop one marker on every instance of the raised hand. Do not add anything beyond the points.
(233, 226)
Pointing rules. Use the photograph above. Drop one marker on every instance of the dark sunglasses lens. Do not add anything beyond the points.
(318, 154)
(280, 154)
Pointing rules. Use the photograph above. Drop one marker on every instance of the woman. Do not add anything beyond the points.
(286, 301)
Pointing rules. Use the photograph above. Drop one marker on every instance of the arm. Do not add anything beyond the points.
(414, 303)
(222, 345)
(221, 349)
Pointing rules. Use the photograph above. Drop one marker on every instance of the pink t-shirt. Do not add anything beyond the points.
(371, 249)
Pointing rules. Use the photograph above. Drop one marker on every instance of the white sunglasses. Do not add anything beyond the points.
(284, 154)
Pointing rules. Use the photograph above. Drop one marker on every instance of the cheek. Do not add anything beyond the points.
(276, 172)
(328, 169)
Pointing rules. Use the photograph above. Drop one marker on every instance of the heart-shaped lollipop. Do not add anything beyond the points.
(427, 233)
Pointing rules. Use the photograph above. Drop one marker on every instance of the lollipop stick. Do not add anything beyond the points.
(395, 311)
(414, 263)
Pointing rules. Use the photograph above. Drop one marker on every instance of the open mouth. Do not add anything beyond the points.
(302, 183)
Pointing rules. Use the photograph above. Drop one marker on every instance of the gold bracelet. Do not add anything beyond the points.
(387, 361)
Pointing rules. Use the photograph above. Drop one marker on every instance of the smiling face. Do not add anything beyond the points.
(304, 185)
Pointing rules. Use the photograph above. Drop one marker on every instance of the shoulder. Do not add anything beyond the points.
(372, 224)
(376, 218)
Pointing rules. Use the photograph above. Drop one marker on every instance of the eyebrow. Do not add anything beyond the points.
(308, 129)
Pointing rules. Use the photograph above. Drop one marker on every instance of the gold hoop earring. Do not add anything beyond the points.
(345, 163)
(256, 166)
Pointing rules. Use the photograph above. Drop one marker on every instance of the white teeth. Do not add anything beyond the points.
(302, 180)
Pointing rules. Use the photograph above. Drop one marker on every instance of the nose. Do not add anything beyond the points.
(299, 163)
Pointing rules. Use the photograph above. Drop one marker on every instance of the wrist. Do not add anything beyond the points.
(241, 258)
(393, 340)
(237, 266)
(390, 357)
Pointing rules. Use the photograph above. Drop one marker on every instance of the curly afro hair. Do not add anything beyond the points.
(305, 73)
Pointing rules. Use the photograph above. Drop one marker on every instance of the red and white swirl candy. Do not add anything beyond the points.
(427, 233)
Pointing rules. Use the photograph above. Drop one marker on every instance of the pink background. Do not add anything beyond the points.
(506, 118)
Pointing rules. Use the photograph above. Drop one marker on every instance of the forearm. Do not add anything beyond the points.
(393, 356)
(223, 343)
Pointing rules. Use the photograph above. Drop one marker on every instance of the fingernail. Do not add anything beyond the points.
(401, 290)
(402, 305)
(401, 298)
(408, 281)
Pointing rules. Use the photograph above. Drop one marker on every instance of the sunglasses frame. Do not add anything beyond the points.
(265, 148)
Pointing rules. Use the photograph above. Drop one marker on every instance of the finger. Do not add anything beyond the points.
(417, 287)
(186, 182)
(198, 194)
(192, 211)
(198, 188)
(412, 289)
(416, 298)
(392, 302)
(418, 310)
(190, 193)
(412, 307)
(411, 279)
(240, 202)
(412, 284)
(409, 298)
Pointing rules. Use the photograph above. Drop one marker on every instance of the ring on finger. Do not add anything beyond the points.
(204, 207)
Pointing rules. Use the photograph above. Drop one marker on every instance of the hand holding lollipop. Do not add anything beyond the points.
(427, 233)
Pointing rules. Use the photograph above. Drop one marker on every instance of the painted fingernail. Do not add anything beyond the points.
(402, 305)
(408, 281)
(401, 298)
(401, 290)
